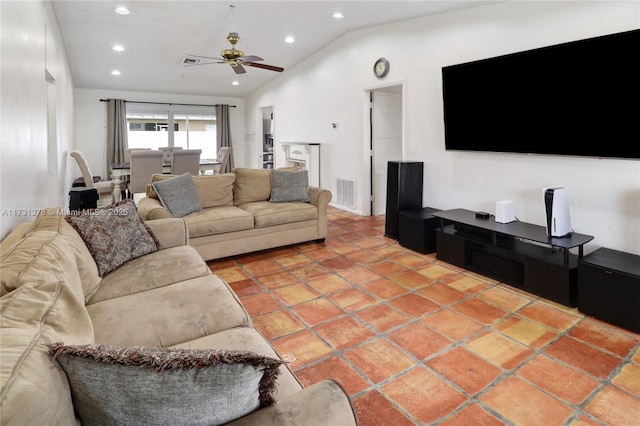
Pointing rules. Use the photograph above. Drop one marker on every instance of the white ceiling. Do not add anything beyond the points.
(158, 34)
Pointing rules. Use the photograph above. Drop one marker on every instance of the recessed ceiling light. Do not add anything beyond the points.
(337, 15)
(118, 48)
(115, 72)
(235, 83)
(121, 10)
(290, 39)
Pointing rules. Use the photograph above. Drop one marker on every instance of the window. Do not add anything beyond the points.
(157, 125)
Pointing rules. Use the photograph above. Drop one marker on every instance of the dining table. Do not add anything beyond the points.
(121, 170)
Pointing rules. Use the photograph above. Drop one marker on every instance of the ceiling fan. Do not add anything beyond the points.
(234, 57)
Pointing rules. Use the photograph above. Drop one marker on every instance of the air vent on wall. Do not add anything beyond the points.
(190, 61)
(346, 196)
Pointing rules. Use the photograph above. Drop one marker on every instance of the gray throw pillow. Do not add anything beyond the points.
(114, 235)
(178, 195)
(289, 186)
(162, 386)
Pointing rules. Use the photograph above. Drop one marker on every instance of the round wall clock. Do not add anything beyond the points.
(381, 68)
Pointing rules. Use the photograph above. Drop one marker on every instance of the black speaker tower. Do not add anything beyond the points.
(404, 192)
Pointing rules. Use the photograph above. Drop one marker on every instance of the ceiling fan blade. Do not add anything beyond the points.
(203, 63)
(239, 69)
(206, 57)
(264, 66)
(251, 58)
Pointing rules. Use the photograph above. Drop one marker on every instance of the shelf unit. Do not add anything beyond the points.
(517, 253)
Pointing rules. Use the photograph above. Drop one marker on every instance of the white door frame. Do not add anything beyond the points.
(368, 176)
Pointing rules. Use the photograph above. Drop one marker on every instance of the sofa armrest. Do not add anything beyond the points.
(322, 404)
(152, 209)
(320, 198)
(169, 232)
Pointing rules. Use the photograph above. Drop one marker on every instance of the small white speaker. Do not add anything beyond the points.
(505, 211)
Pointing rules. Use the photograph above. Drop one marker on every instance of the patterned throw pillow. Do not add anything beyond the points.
(114, 235)
(289, 186)
(178, 195)
(163, 386)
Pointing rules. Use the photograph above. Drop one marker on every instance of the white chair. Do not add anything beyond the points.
(186, 160)
(105, 188)
(144, 164)
(224, 155)
(127, 153)
(167, 152)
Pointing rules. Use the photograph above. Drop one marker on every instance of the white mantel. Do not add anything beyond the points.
(304, 156)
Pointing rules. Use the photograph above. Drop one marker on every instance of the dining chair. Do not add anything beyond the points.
(167, 152)
(105, 188)
(186, 160)
(224, 155)
(127, 153)
(144, 164)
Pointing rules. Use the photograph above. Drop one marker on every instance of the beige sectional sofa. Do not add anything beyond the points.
(237, 215)
(51, 291)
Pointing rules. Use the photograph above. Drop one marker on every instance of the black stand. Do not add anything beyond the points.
(516, 253)
(81, 198)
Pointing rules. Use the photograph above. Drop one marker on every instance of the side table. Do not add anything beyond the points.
(609, 287)
(417, 229)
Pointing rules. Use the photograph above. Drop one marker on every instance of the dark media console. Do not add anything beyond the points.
(517, 253)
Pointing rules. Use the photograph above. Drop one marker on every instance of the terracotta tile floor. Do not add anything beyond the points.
(417, 341)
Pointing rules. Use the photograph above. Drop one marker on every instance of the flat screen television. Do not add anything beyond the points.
(578, 98)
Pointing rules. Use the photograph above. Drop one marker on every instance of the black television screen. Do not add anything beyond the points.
(578, 98)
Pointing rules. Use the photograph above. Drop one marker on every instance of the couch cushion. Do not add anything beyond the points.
(40, 257)
(114, 234)
(15, 236)
(287, 186)
(46, 234)
(251, 185)
(213, 190)
(218, 220)
(268, 214)
(158, 269)
(51, 304)
(168, 315)
(178, 195)
(54, 219)
(35, 390)
(142, 385)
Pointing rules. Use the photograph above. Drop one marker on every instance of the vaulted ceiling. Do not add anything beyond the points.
(156, 36)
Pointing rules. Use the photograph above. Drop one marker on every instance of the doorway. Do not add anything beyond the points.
(385, 140)
(266, 137)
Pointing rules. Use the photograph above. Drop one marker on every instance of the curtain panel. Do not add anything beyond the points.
(223, 134)
(117, 142)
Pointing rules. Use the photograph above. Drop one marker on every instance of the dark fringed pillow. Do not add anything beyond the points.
(143, 385)
(114, 235)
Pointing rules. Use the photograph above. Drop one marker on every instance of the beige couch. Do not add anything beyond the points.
(51, 292)
(237, 217)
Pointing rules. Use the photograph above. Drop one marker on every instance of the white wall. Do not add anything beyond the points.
(91, 119)
(328, 87)
(29, 180)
